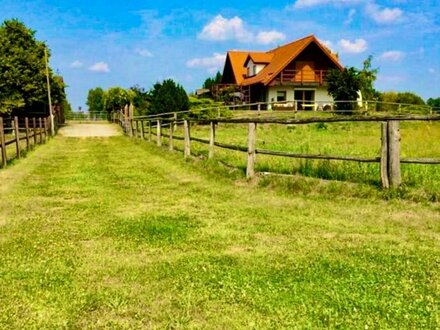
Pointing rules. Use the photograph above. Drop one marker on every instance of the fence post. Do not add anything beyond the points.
(175, 120)
(158, 133)
(134, 127)
(142, 130)
(394, 154)
(45, 129)
(26, 125)
(149, 131)
(384, 156)
(130, 127)
(250, 168)
(211, 140)
(187, 140)
(17, 137)
(171, 142)
(34, 129)
(2, 142)
(40, 130)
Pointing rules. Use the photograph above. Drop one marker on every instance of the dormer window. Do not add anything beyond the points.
(251, 69)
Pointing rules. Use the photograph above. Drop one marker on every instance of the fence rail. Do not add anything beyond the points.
(31, 130)
(389, 158)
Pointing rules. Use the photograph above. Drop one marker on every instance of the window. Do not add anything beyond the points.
(252, 70)
(281, 96)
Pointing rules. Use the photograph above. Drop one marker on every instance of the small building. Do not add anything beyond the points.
(294, 73)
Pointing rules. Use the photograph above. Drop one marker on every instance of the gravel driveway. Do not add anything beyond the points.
(90, 130)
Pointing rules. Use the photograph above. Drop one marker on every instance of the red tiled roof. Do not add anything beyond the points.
(277, 59)
(237, 60)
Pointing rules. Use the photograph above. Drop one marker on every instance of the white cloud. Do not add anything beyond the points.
(144, 52)
(76, 64)
(221, 28)
(392, 55)
(350, 17)
(212, 64)
(99, 67)
(355, 47)
(313, 3)
(268, 37)
(385, 15)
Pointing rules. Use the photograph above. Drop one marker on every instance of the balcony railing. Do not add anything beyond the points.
(302, 76)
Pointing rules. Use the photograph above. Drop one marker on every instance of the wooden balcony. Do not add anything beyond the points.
(302, 77)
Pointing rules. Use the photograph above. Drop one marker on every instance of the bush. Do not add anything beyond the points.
(210, 113)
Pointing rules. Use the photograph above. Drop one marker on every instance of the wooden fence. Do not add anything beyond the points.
(389, 158)
(23, 133)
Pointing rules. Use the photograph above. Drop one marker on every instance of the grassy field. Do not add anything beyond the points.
(418, 139)
(112, 233)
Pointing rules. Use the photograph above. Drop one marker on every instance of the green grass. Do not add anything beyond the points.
(420, 182)
(113, 233)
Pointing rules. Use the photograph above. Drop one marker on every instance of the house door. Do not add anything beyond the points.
(305, 99)
(304, 71)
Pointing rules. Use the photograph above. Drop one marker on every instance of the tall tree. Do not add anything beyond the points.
(344, 86)
(116, 98)
(167, 97)
(22, 69)
(141, 99)
(367, 78)
(435, 103)
(96, 100)
(212, 81)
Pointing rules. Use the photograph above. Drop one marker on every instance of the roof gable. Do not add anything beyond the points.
(234, 67)
(276, 59)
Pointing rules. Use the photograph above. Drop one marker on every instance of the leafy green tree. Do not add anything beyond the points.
(96, 100)
(343, 86)
(116, 98)
(435, 103)
(168, 97)
(212, 81)
(57, 88)
(367, 78)
(141, 100)
(401, 101)
(410, 98)
(22, 70)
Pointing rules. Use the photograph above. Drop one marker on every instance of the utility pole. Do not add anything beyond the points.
(52, 126)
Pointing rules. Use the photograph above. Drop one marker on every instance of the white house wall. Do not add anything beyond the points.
(272, 94)
(321, 96)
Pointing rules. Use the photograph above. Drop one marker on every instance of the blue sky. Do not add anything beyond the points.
(122, 43)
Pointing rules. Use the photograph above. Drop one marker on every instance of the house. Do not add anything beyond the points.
(294, 73)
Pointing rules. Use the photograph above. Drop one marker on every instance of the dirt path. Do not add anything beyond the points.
(89, 130)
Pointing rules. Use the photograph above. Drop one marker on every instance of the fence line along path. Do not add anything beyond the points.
(22, 133)
(389, 157)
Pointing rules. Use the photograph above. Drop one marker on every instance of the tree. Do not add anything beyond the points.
(141, 100)
(96, 100)
(401, 101)
(343, 86)
(367, 77)
(212, 81)
(22, 69)
(168, 97)
(116, 98)
(434, 103)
